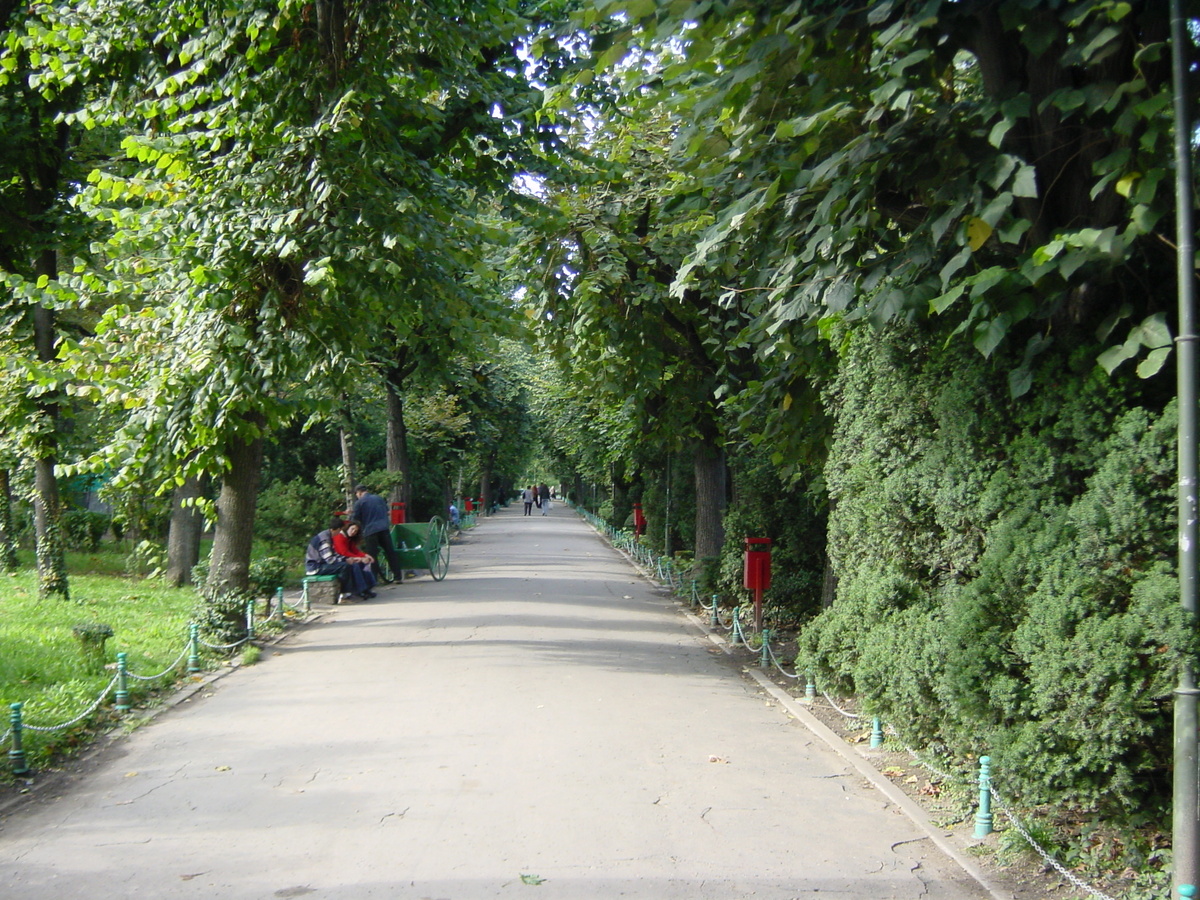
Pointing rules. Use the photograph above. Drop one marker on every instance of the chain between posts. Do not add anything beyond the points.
(121, 693)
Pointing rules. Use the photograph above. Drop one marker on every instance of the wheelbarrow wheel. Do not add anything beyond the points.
(437, 549)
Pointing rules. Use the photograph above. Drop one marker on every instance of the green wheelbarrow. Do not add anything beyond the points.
(419, 545)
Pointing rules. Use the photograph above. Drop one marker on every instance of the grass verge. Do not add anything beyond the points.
(45, 667)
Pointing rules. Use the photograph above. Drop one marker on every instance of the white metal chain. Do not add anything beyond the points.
(1050, 860)
(177, 661)
(79, 718)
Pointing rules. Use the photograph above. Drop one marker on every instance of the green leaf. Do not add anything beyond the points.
(1153, 362)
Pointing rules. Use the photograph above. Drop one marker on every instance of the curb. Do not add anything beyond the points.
(183, 690)
(861, 765)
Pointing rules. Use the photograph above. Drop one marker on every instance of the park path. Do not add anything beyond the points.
(542, 724)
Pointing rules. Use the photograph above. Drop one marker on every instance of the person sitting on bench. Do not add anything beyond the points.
(321, 559)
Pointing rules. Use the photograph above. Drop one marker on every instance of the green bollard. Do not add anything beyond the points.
(876, 733)
(764, 661)
(714, 621)
(16, 755)
(194, 648)
(1187, 890)
(278, 602)
(122, 695)
(249, 619)
(810, 687)
(983, 816)
(735, 631)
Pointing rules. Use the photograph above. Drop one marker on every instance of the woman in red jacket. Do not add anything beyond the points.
(359, 577)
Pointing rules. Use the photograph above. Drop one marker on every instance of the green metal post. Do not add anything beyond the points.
(193, 647)
(735, 632)
(16, 754)
(249, 618)
(876, 733)
(983, 816)
(764, 661)
(1186, 814)
(810, 687)
(714, 622)
(122, 695)
(278, 602)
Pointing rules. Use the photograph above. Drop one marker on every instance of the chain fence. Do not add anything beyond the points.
(666, 572)
(190, 653)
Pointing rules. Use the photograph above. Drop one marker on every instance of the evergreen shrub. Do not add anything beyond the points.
(1006, 569)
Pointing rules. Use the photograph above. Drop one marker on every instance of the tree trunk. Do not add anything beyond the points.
(8, 545)
(397, 445)
(709, 467)
(47, 509)
(47, 524)
(349, 463)
(183, 537)
(828, 586)
(829, 581)
(230, 569)
(485, 489)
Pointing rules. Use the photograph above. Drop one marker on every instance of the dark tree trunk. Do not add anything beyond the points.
(349, 462)
(709, 465)
(485, 490)
(47, 523)
(183, 536)
(230, 569)
(829, 582)
(47, 508)
(397, 445)
(8, 546)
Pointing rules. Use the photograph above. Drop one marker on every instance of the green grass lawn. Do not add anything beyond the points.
(42, 664)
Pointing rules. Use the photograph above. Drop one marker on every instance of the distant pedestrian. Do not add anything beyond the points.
(544, 498)
(527, 496)
(371, 510)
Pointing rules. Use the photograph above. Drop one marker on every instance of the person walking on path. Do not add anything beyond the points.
(544, 498)
(372, 512)
(527, 497)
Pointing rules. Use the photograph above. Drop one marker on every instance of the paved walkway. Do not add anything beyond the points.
(541, 724)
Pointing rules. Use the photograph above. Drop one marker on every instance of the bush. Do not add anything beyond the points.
(266, 575)
(84, 528)
(1006, 568)
(288, 513)
(222, 618)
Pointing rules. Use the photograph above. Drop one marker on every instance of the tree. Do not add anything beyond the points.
(272, 219)
(606, 296)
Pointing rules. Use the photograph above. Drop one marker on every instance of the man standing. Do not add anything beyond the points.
(372, 512)
(544, 498)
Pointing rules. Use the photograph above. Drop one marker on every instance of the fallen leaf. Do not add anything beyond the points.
(718, 759)
(224, 768)
(532, 879)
